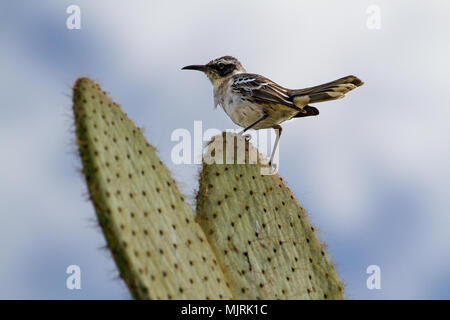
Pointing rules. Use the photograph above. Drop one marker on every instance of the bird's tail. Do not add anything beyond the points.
(328, 91)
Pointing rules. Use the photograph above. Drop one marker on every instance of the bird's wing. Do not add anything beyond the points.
(257, 88)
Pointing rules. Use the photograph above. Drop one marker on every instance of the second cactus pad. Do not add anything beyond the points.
(259, 232)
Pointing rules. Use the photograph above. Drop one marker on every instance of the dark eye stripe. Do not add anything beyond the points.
(216, 67)
(224, 69)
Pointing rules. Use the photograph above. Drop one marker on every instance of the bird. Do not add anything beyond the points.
(253, 101)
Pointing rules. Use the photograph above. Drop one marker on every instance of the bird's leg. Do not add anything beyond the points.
(263, 117)
(278, 131)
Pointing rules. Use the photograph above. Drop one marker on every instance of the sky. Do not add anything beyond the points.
(372, 170)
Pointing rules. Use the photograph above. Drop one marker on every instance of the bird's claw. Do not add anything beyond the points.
(269, 169)
(247, 137)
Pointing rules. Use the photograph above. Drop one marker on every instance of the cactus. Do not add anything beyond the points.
(250, 239)
(259, 232)
(160, 251)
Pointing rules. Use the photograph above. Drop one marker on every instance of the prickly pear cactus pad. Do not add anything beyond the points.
(259, 232)
(160, 251)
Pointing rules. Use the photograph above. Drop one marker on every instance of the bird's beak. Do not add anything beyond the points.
(198, 67)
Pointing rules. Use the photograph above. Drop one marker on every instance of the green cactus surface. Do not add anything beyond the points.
(160, 251)
(261, 235)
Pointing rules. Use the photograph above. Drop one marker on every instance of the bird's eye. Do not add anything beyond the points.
(220, 65)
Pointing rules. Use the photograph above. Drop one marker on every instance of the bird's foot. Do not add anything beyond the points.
(269, 169)
(247, 137)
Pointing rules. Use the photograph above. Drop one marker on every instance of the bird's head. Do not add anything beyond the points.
(219, 69)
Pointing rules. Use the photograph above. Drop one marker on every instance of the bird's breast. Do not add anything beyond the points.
(242, 112)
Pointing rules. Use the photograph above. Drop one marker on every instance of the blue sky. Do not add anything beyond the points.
(372, 170)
